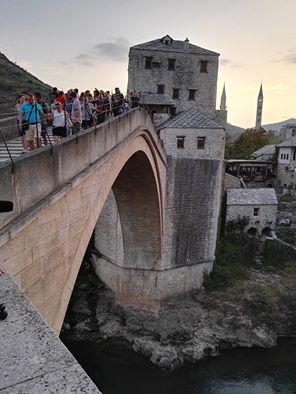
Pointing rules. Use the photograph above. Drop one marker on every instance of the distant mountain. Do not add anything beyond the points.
(234, 132)
(14, 79)
(278, 125)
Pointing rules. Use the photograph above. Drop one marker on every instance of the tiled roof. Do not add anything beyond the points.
(251, 197)
(192, 118)
(156, 99)
(288, 143)
(265, 150)
(175, 46)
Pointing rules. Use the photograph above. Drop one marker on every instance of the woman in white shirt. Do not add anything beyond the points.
(60, 120)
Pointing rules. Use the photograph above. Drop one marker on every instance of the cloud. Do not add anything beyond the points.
(84, 59)
(225, 62)
(228, 62)
(117, 50)
(290, 58)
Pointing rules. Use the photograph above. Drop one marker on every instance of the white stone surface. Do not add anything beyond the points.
(33, 360)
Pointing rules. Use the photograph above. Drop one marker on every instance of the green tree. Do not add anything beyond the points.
(247, 143)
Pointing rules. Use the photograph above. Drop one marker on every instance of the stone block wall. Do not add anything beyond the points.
(286, 177)
(214, 143)
(186, 76)
(194, 184)
(266, 216)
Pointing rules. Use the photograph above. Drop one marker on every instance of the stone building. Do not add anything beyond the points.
(288, 131)
(258, 206)
(194, 146)
(194, 141)
(286, 163)
(185, 72)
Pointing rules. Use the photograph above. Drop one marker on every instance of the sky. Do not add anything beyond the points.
(84, 44)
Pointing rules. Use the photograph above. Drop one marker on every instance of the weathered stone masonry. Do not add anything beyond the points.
(185, 75)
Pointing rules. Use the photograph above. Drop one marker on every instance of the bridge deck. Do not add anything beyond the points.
(32, 358)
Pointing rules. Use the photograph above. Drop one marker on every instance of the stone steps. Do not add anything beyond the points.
(15, 149)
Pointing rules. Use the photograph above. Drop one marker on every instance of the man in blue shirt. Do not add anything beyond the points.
(30, 113)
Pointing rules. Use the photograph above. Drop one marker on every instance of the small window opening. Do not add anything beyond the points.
(180, 142)
(156, 64)
(256, 212)
(171, 64)
(173, 111)
(201, 142)
(294, 154)
(204, 66)
(176, 93)
(148, 62)
(192, 93)
(160, 89)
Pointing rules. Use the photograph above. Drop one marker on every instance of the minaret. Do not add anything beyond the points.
(223, 100)
(222, 113)
(259, 109)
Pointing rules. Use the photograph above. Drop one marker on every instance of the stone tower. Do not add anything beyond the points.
(259, 109)
(186, 73)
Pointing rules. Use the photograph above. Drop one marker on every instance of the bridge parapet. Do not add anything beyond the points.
(39, 173)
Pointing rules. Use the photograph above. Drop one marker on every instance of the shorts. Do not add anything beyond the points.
(59, 131)
(32, 131)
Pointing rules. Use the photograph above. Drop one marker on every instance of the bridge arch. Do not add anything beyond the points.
(58, 231)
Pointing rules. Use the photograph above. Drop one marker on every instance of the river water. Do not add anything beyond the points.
(118, 370)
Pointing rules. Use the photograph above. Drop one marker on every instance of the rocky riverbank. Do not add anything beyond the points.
(255, 310)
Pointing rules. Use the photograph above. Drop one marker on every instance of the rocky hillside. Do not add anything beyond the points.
(14, 79)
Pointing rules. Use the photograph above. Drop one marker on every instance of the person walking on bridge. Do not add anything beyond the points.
(76, 115)
(30, 113)
(22, 132)
(117, 102)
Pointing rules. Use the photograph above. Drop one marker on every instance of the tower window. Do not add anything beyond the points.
(180, 142)
(156, 64)
(256, 211)
(160, 89)
(201, 142)
(192, 93)
(204, 66)
(148, 62)
(173, 111)
(176, 93)
(171, 64)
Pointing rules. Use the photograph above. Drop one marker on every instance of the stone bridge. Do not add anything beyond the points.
(58, 197)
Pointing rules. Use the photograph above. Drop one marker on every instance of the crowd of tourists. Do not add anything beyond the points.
(67, 113)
